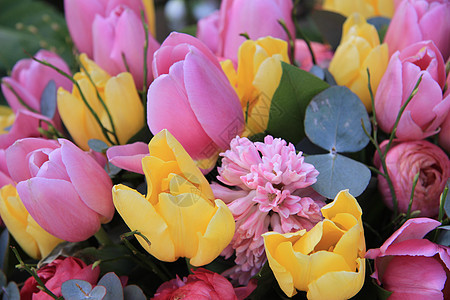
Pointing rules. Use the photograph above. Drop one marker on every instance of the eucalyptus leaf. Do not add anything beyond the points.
(333, 120)
(382, 293)
(444, 237)
(133, 292)
(3, 280)
(287, 110)
(447, 200)
(4, 248)
(111, 282)
(76, 289)
(337, 173)
(98, 145)
(330, 26)
(48, 100)
(11, 292)
(381, 24)
(112, 170)
(318, 72)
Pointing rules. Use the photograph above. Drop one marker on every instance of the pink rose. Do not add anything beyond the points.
(420, 20)
(63, 188)
(428, 109)
(121, 35)
(203, 284)
(257, 18)
(404, 161)
(55, 274)
(412, 267)
(192, 98)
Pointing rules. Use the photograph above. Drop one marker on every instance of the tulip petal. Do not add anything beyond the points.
(216, 237)
(127, 202)
(220, 115)
(81, 168)
(66, 218)
(338, 285)
(128, 157)
(344, 202)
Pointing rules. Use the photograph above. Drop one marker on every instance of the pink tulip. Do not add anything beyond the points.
(80, 15)
(208, 31)
(128, 157)
(412, 267)
(63, 188)
(404, 161)
(257, 18)
(192, 98)
(420, 20)
(55, 274)
(322, 53)
(444, 134)
(29, 79)
(120, 36)
(428, 109)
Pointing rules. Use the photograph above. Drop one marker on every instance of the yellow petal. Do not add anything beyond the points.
(124, 105)
(344, 202)
(338, 285)
(217, 236)
(310, 239)
(140, 215)
(345, 63)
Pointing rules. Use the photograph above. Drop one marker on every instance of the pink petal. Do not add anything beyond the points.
(103, 33)
(128, 157)
(208, 31)
(90, 181)
(22, 92)
(65, 217)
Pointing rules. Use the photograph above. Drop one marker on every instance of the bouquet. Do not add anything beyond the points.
(241, 149)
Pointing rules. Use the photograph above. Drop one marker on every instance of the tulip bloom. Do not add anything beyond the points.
(55, 274)
(404, 161)
(179, 215)
(328, 261)
(47, 169)
(410, 266)
(29, 79)
(427, 109)
(358, 51)
(120, 97)
(366, 8)
(424, 20)
(80, 16)
(34, 240)
(322, 53)
(192, 98)
(245, 16)
(119, 38)
(256, 79)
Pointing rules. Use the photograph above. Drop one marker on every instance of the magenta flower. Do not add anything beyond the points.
(412, 267)
(274, 193)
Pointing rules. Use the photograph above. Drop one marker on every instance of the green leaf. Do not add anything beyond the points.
(333, 120)
(133, 292)
(27, 25)
(111, 282)
(444, 236)
(11, 292)
(48, 100)
(382, 293)
(447, 200)
(287, 109)
(330, 26)
(337, 173)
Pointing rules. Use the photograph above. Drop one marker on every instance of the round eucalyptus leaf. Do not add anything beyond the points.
(4, 248)
(11, 292)
(3, 280)
(76, 289)
(97, 145)
(133, 292)
(334, 119)
(337, 173)
(48, 100)
(111, 282)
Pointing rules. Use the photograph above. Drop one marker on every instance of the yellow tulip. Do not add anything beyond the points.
(328, 261)
(179, 216)
(7, 118)
(34, 240)
(358, 51)
(367, 8)
(120, 96)
(256, 79)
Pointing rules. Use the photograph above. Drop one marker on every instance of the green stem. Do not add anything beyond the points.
(308, 42)
(291, 42)
(103, 237)
(21, 101)
(415, 180)
(144, 84)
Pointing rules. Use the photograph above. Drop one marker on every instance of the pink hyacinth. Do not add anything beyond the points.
(273, 193)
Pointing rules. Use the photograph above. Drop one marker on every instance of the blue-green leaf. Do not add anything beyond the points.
(113, 286)
(11, 292)
(4, 248)
(381, 24)
(97, 145)
(133, 292)
(287, 109)
(337, 173)
(76, 289)
(333, 120)
(48, 100)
